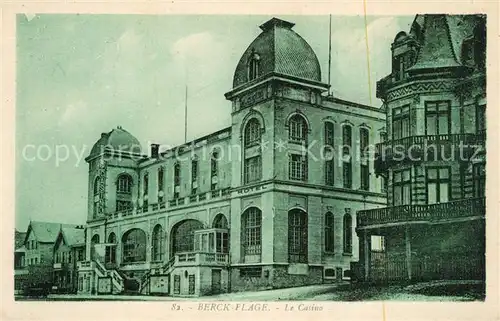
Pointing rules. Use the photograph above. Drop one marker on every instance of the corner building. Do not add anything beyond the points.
(433, 227)
(244, 208)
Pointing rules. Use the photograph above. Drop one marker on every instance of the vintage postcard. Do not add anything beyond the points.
(327, 163)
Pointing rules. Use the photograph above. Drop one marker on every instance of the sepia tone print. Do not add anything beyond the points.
(311, 189)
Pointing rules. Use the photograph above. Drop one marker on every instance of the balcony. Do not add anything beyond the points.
(427, 147)
(201, 258)
(174, 203)
(85, 265)
(422, 213)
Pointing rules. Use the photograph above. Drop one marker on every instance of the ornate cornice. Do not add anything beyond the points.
(421, 87)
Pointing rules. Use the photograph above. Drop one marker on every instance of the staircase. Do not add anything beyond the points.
(117, 280)
(165, 269)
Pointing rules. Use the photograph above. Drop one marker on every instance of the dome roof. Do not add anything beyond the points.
(281, 50)
(117, 139)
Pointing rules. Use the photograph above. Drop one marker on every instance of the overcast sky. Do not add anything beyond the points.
(80, 75)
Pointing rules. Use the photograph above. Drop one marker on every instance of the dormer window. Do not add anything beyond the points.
(253, 66)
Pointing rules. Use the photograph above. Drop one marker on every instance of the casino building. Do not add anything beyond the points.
(269, 202)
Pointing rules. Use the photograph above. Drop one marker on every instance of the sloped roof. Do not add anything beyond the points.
(19, 239)
(45, 232)
(280, 50)
(436, 50)
(73, 236)
(441, 38)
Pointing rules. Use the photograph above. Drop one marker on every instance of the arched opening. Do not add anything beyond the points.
(297, 236)
(220, 221)
(252, 133)
(134, 246)
(93, 242)
(97, 190)
(251, 235)
(182, 238)
(157, 243)
(298, 129)
(110, 256)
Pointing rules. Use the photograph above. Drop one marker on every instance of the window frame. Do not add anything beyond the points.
(329, 232)
(298, 234)
(251, 232)
(438, 113)
(347, 231)
(401, 185)
(438, 181)
(298, 129)
(401, 116)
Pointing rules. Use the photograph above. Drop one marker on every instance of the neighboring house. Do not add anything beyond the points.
(20, 271)
(269, 216)
(69, 249)
(38, 249)
(434, 224)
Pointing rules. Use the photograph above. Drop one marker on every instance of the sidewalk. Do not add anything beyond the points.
(296, 293)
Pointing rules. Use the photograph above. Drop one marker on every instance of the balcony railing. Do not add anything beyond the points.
(416, 147)
(155, 207)
(408, 213)
(201, 258)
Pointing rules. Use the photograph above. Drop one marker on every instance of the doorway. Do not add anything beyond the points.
(216, 281)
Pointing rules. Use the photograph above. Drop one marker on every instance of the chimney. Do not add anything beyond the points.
(154, 150)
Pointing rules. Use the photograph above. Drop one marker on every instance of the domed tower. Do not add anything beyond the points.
(277, 72)
(112, 173)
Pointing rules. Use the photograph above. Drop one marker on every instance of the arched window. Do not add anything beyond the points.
(214, 169)
(364, 141)
(297, 132)
(111, 249)
(95, 240)
(297, 236)
(329, 233)
(347, 165)
(253, 66)
(251, 238)
(134, 246)
(124, 184)
(161, 177)
(252, 133)
(177, 179)
(347, 233)
(220, 221)
(329, 134)
(97, 188)
(157, 243)
(183, 236)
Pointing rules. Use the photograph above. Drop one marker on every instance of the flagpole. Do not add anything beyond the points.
(185, 114)
(329, 55)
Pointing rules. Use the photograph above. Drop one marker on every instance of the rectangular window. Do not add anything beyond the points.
(479, 178)
(377, 243)
(194, 170)
(437, 118)
(145, 184)
(438, 185)
(347, 174)
(191, 284)
(401, 122)
(297, 167)
(481, 119)
(329, 173)
(123, 205)
(401, 187)
(365, 177)
(383, 187)
(253, 169)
